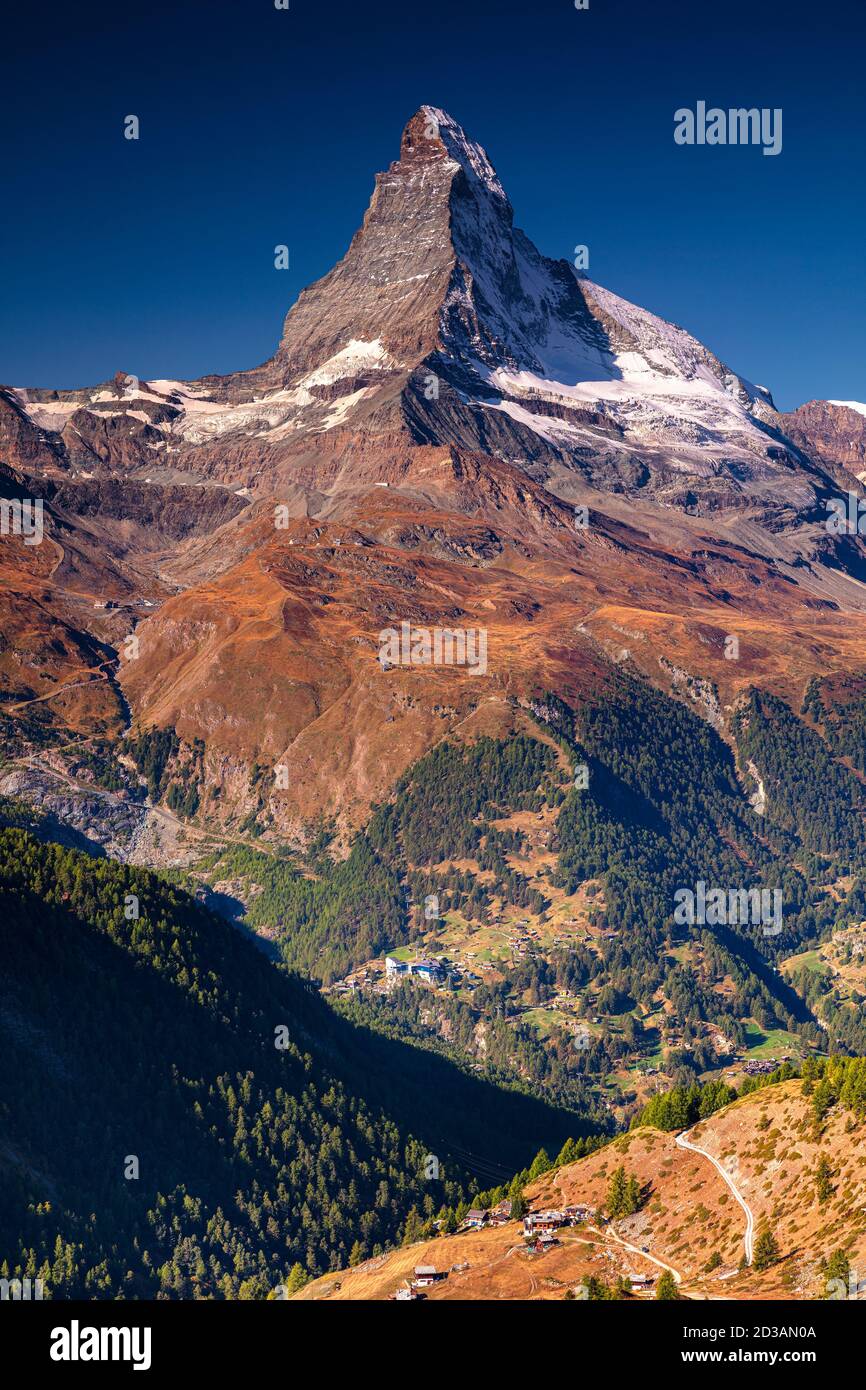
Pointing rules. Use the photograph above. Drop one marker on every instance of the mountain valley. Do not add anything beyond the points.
(458, 878)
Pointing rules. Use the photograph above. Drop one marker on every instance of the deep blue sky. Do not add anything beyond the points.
(261, 127)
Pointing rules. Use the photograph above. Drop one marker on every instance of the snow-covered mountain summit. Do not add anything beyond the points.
(444, 324)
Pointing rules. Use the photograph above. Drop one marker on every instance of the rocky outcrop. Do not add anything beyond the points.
(160, 512)
(831, 432)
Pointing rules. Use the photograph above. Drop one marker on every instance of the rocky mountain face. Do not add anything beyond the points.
(834, 432)
(454, 432)
(443, 324)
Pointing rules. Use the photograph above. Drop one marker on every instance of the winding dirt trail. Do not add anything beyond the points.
(683, 1142)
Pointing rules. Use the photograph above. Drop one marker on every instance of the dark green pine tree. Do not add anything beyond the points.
(617, 1193)
(766, 1250)
(823, 1180)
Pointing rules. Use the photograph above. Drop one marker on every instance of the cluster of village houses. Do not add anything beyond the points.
(540, 1230)
(434, 972)
(474, 1220)
(540, 1227)
(524, 940)
(765, 1068)
(441, 972)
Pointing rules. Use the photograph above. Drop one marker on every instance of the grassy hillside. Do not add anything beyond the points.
(794, 1150)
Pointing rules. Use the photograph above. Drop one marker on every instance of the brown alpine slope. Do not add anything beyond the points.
(689, 1223)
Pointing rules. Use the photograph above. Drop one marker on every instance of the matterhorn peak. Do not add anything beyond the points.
(444, 324)
(432, 131)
